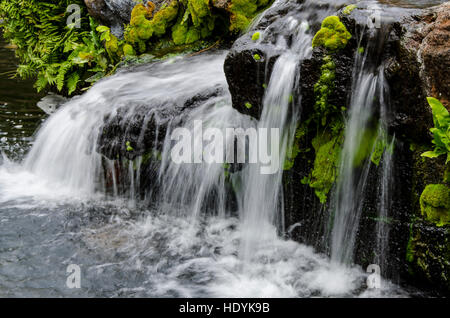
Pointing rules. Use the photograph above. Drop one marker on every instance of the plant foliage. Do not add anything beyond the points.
(441, 130)
(59, 55)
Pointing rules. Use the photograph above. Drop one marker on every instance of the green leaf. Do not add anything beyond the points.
(430, 154)
(72, 82)
(41, 82)
(102, 28)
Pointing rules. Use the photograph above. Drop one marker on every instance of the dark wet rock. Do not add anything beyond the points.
(429, 255)
(136, 130)
(50, 103)
(248, 76)
(422, 53)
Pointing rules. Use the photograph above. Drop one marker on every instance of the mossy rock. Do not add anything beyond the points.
(333, 35)
(435, 204)
(428, 254)
(326, 164)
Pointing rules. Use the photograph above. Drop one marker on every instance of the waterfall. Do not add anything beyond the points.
(65, 150)
(260, 202)
(384, 206)
(365, 126)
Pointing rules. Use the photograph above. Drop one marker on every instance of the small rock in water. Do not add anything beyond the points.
(51, 102)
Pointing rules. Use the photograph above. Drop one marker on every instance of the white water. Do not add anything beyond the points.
(367, 97)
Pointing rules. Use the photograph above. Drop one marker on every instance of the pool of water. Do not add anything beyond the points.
(19, 116)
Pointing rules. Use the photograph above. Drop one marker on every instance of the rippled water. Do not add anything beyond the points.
(19, 116)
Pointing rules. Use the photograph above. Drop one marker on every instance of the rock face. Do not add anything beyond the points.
(142, 128)
(414, 50)
(421, 52)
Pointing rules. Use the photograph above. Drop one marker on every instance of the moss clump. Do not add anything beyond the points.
(128, 50)
(128, 146)
(348, 9)
(143, 27)
(161, 20)
(248, 105)
(243, 11)
(435, 204)
(333, 35)
(256, 57)
(198, 10)
(324, 173)
(256, 36)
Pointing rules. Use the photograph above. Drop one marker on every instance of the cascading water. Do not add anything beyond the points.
(366, 101)
(261, 192)
(386, 187)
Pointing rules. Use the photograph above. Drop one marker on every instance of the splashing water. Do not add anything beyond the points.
(367, 100)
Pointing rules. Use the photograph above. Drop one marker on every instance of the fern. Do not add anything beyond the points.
(72, 82)
(48, 48)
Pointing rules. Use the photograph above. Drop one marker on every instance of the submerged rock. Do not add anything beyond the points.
(50, 103)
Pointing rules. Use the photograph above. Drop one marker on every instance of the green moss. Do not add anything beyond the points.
(243, 11)
(373, 145)
(323, 89)
(348, 9)
(333, 35)
(361, 50)
(248, 105)
(256, 57)
(378, 151)
(293, 151)
(128, 50)
(410, 246)
(161, 20)
(324, 173)
(143, 27)
(428, 254)
(128, 145)
(179, 31)
(435, 204)
(256, 36)
(198, 10)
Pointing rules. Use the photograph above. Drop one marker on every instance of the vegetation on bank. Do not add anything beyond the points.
(55, 53)
(66, 57)
(435, 198)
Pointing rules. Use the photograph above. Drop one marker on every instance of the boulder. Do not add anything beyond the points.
(420, 53)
